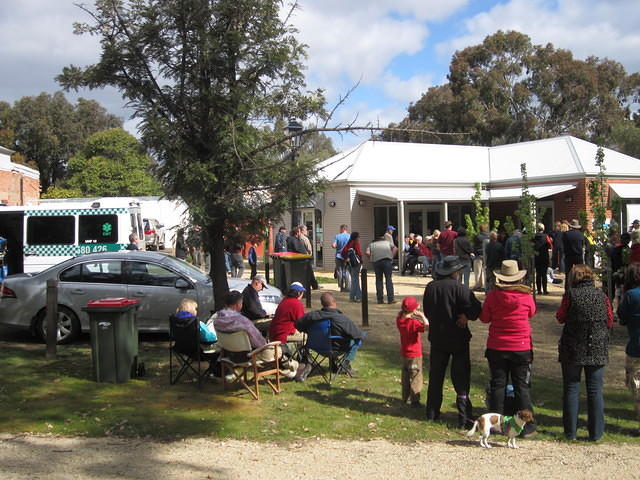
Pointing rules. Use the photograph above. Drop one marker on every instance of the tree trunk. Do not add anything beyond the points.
(218, 273)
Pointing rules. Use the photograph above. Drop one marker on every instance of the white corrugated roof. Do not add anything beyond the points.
(538, 191)
(626, 190)
(392, 162)
(421, 194)
(415, 163)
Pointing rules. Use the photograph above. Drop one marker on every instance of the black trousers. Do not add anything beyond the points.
(504, 365)
(569, 262)
(460, 377)
(541, 277)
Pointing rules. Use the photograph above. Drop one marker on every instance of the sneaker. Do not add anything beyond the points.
(289, 374)
(380, 302)
(391, 302)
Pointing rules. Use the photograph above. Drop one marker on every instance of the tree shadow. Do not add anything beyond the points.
(134, 459)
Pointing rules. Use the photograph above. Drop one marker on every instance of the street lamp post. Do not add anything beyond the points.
(294, 128)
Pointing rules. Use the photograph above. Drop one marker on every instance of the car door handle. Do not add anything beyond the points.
(139, 294)
(77, 291)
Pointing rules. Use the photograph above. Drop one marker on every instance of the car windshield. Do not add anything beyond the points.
(186, 269)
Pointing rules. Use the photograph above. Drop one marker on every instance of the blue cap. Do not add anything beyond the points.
(297, 287)
(391, 227)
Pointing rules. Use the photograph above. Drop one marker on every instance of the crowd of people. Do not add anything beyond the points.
(450, 256)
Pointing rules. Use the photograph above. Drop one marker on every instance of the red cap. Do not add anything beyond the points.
(409, 304)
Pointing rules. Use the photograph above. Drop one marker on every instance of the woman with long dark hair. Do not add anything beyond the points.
(352, 253)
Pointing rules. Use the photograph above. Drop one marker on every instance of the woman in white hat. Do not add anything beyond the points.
(507, 309)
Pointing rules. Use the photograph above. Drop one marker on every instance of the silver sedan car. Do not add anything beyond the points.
(157, 280)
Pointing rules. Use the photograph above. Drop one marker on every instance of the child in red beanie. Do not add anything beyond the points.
(411, 323)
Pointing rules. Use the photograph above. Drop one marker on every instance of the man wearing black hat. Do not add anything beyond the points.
(448, 305)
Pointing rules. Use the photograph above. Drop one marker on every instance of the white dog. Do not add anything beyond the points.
(511, 426)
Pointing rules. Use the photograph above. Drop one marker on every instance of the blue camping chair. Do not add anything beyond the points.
(321, 346)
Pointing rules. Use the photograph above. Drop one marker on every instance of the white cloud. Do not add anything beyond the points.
(356, 46)
(406, 91)
(420, 9)
(586, 27)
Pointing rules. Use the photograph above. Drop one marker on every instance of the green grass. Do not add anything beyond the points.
(60, 397)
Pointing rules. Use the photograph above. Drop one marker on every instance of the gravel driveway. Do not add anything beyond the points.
(52, 458)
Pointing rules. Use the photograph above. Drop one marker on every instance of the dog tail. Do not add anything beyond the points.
(473, 429)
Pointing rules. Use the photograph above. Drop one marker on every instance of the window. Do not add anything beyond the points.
(457, 211)
(51, 230)
(150, 274)
(98, 229)
(383, 216)
(73, 274)
(94, 272)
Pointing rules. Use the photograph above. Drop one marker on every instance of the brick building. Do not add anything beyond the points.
(18, 184)
(416, 187)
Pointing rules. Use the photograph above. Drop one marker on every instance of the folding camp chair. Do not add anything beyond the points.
(249, 366)
(186, 351)
(321, 346)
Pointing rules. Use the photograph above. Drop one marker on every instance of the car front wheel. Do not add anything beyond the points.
(68, 325)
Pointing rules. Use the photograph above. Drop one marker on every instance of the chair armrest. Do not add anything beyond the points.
(263, 347)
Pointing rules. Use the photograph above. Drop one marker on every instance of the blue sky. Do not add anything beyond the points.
(397, 49)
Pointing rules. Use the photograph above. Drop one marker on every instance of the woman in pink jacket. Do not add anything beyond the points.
(507, 309)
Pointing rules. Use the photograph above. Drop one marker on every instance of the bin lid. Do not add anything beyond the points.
(290, 255)
(112, 302)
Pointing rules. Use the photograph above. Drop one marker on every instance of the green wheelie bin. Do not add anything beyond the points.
(114, 338)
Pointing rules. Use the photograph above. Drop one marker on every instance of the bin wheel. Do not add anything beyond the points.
(68, 325)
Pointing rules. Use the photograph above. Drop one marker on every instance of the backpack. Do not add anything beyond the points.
(353, 258)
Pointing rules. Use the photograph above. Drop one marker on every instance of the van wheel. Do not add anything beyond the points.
(68, 325)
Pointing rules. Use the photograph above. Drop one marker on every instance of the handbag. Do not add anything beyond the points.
(353, 257)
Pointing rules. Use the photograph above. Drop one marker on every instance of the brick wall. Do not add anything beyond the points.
(16, 189)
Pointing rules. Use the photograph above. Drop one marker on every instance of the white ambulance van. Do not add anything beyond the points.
(48, 233)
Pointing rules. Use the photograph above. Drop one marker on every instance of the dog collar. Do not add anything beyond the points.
(510, 422)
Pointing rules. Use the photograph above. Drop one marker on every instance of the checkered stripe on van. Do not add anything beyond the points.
(75, 211)
(67, 250)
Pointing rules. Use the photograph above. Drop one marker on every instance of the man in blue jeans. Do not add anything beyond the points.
(381, 253)
(341, 271)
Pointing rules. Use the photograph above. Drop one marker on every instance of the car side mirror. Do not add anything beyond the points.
(182, 284)
(160, 225)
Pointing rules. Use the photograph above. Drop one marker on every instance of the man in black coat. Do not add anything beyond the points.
(341, 326)
(449, 305)
(573, 243)
(251, 306)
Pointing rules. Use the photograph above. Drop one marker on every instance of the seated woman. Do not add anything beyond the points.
(587, 316)
(188, 308)
(508, 308)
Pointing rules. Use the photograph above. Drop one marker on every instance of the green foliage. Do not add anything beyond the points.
(201, 76)
(481, 211)
(625, 137)
(48, 130)
(110, 164)
(509, 226)
(582, 217)
(508, 90)
(526, 214)
(63, 192)
(598, 202)
(496, 225)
